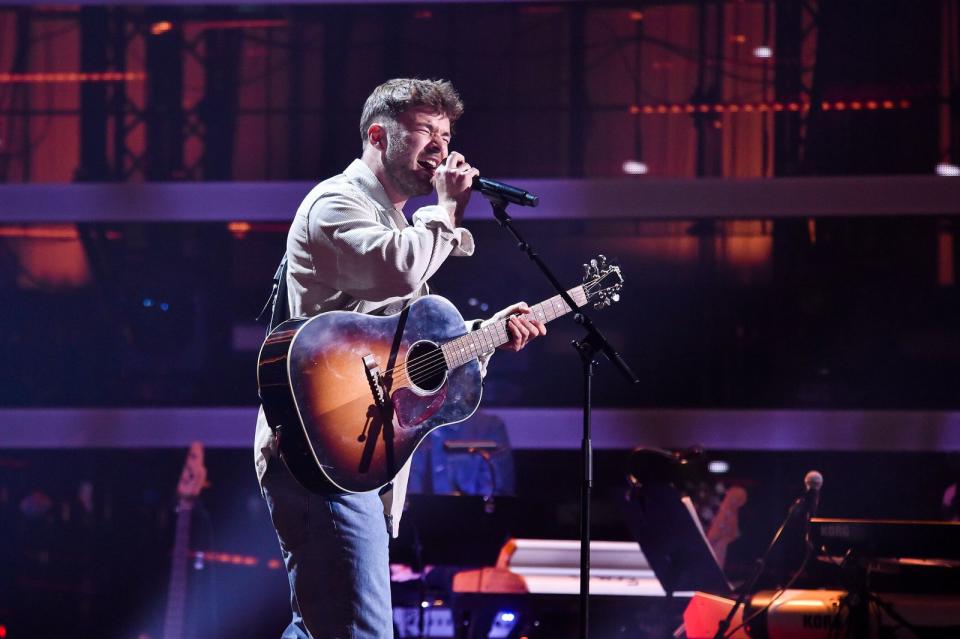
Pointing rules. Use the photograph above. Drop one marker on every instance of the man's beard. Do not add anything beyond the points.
(408, 180)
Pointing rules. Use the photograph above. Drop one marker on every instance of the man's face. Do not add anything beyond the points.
(416, 144)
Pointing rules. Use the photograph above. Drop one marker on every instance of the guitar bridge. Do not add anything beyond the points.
(375, 380)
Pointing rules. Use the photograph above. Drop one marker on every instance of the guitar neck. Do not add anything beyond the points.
(177, 592)
(466, 348)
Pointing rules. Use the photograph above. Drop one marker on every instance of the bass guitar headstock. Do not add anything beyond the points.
(602, 281)
(193, 477)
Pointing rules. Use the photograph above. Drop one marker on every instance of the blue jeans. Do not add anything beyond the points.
(335, 547)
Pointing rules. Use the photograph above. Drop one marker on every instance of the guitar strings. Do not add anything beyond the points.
(435, 361)
(424, 365)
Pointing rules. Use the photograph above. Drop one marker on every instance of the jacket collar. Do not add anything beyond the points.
(361, 175)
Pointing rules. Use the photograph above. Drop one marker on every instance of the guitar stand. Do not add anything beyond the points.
(587, 347)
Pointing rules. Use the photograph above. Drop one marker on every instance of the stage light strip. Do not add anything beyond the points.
(201, 557)
(40, 232)
(72, 77)
(163, 26)
(241, 24)
(768, 107)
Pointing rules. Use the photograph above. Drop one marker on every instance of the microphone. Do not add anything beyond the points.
(500, 191)
(812, 481)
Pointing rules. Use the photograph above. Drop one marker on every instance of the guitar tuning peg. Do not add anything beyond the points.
(586, 270)
(615, 297)
(593, 264)
(602, 259)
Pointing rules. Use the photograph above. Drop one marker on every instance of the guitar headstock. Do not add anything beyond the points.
(602, 282)
(193, 478)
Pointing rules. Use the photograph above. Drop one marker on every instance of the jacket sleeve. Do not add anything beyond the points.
(354, 251)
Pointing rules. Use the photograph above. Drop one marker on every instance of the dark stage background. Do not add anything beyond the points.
(104, 567)
(786, 221)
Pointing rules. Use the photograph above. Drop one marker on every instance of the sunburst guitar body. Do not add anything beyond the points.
(353, 395)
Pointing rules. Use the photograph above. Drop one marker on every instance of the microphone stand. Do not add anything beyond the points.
(587, 347)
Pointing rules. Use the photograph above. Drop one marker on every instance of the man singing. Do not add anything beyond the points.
(350, 247)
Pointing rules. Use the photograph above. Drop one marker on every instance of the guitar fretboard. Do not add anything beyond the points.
(177, 592)
(465, 348)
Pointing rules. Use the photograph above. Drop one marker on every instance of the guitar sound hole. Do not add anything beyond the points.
(426, 367)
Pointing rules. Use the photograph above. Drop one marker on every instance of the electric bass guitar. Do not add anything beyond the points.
(193, 478)
(353, 395)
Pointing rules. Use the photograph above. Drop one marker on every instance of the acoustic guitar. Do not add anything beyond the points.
(353, 395)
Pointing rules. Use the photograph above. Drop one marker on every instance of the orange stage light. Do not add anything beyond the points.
(159, 28)
(239, 227)
(71, 77)
(763, 107)
(45, 232)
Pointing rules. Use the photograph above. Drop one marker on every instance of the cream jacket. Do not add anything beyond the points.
(350, 249)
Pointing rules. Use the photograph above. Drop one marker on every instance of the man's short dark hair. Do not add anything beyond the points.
(393, 97)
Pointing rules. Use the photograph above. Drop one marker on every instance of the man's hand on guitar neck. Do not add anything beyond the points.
(522, 329)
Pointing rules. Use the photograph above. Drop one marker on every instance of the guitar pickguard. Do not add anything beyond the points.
(412, 409)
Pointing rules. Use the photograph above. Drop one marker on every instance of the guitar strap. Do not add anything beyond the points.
(277, 301)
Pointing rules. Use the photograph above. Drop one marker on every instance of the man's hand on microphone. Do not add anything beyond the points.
(453, 180)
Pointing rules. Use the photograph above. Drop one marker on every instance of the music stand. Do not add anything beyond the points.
(669, 533)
